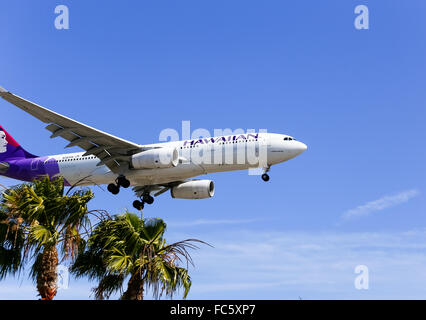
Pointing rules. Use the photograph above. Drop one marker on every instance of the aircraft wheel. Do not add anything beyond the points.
(265, 177)
(114, 189)
(123, 182)
(148, 199)
(138, 205)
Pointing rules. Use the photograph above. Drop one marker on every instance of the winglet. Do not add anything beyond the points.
(3, 91)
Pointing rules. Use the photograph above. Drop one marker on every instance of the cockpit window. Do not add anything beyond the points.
(289, 139)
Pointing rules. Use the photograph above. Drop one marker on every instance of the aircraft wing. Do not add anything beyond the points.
(114, 152)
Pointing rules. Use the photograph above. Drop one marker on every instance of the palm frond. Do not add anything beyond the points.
(127, 245)
(107, 285)
(34, 219)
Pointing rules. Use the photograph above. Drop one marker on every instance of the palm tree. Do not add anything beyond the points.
(35, 219)
(129, 246)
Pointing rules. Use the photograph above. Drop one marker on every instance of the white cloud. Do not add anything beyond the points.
(380, 204)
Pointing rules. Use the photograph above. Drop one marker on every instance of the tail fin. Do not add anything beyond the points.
(10, 149)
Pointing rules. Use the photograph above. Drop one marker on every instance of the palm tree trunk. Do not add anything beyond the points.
(47, 275)
(134, 288)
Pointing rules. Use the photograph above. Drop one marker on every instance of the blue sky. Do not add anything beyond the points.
(355, 97)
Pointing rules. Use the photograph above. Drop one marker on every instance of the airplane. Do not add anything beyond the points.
(151, 169)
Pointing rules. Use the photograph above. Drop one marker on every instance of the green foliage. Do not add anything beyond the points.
(127, 246)
(36, 216)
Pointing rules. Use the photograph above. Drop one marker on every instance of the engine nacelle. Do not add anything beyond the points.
(156, 158)
(196, 189)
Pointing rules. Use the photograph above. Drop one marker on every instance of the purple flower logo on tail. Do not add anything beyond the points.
(10, 149)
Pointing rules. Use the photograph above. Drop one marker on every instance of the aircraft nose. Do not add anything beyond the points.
(301, 147)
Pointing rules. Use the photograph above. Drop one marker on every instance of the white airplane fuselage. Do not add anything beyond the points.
(84, 170)
(150, 169)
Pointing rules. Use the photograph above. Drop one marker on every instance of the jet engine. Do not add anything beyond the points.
(195, 189)
(156, 158)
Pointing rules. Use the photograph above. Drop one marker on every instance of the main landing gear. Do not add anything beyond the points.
(121, 181)
(146, 198)
(265, 176)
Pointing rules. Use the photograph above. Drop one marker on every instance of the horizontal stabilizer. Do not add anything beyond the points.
(4, 167)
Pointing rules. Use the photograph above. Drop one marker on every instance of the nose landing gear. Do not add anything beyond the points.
(121, 181)
(265, 176)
